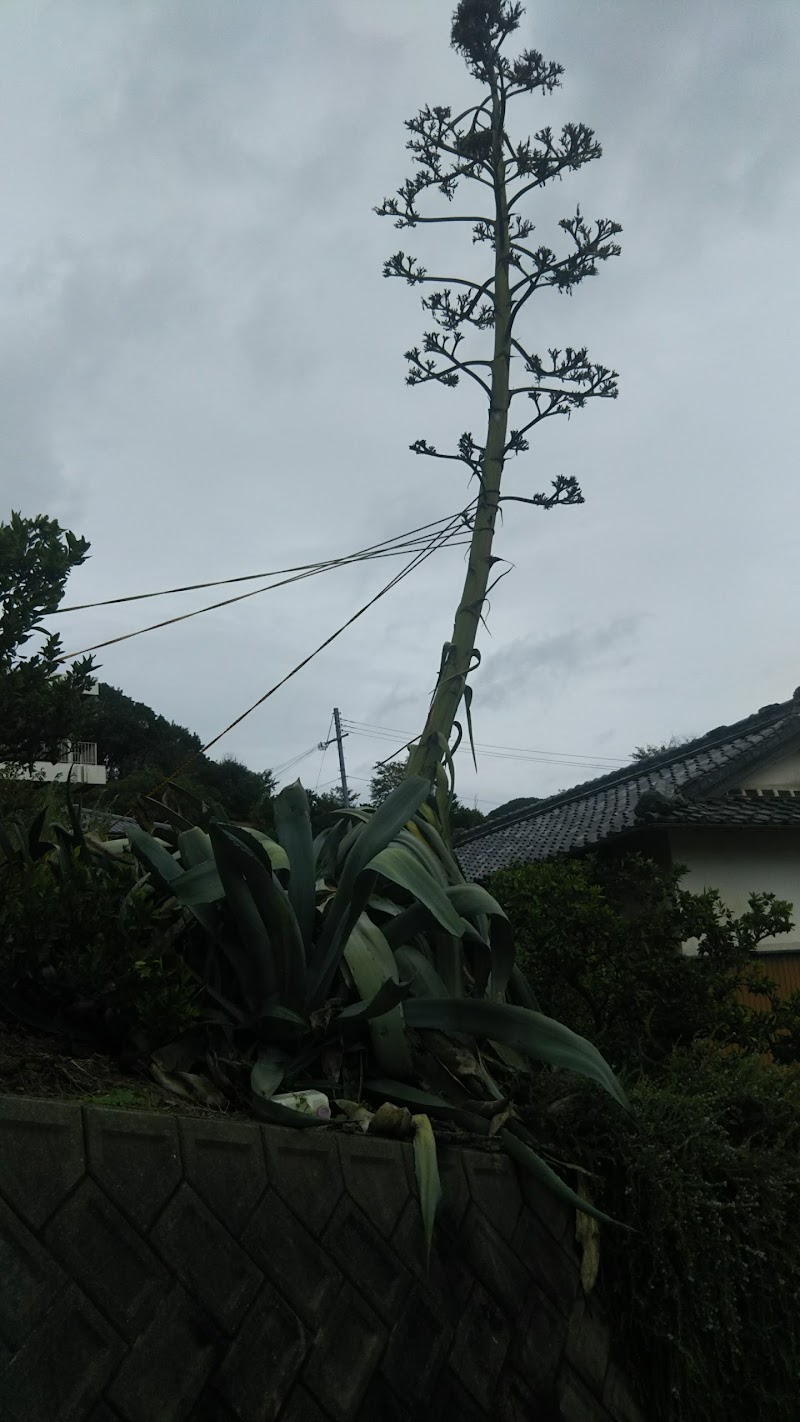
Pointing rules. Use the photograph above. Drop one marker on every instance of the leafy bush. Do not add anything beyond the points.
(704, 1293)
(602, 945)
(359, 964)
(85, 949)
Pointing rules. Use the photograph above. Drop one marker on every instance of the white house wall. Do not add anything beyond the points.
(737, 862)
(783, 774)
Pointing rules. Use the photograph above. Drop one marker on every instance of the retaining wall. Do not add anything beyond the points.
(156, 1268)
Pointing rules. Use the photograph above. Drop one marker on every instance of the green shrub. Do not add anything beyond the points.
(359, 964)
(704, 1294)
(601, 943)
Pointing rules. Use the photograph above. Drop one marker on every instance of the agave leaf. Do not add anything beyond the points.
(388, 819)
(263, 914)
(380, 904)
(529, 1032)
(385, 1090)
(66, 846)
(251, 931)
(347, 842)
(472, 901)
(284, 1017)
(398, 864)
(426, 827)
(424, 979)
(426, 1166)
(165, 813)
(406, 926)
(199, 885)
(254, 839)
(279, 1115)
(423, 852)
(267, 1072)
(194, 847)
(530, 1160)
(326, 847)
(117, 849)
(74, 817)
(372, 964)
(35, 845)
(388, 996)
(448, 956)
(155, 858)
(293, 825)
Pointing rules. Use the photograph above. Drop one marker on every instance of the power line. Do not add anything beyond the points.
(419, 558)
(498, 752)
(280, 770)
(254, 577)
(241, 597)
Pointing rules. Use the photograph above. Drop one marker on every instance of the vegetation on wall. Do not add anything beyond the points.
(703, 1294)
(358, 964)
(707, 1169)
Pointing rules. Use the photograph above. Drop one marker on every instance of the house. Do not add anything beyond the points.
(78, 757)
(726, 805)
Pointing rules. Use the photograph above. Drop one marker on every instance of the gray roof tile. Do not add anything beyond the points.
(693, 783)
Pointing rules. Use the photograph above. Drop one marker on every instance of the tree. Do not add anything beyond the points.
(509, 807)
(387, 775)
(476, 146)
(674, 743)
(131, 736)
(40, 704)
(601, 941)
(139, 748)
(323, 805)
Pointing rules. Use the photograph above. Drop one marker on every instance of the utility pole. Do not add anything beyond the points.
(339, 739)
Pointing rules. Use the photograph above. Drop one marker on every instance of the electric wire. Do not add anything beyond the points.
(498, 752)
(434, 543)
(241, 597)
(254, 577)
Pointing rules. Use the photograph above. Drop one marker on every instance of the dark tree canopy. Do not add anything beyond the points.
(139, 747)
(509, 807)
(40, 702)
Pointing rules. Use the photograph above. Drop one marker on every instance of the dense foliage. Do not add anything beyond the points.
(707, 1169)
(85, 950)
(704, 1292)
(359, 964)
(40, 702)
(139, 747)
(601, 941)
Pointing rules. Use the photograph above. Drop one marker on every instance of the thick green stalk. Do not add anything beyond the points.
(458, 653)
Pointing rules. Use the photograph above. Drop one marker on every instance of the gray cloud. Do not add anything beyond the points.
(540, 666)
(201, 365)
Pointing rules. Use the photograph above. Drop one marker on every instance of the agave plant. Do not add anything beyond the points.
(362, 964)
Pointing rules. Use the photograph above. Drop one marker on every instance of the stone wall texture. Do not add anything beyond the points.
(154, 1269)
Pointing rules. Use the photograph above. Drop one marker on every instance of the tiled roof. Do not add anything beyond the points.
(689, 785)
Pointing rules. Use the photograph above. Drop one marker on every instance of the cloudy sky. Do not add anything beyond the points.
(201, 367)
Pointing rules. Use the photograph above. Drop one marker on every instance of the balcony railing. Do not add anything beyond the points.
(78, 753)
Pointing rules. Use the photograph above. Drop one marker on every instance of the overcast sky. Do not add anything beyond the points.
(201, 366)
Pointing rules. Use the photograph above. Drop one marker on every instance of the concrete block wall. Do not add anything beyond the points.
(156, 1269)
